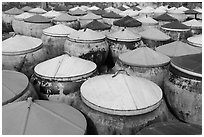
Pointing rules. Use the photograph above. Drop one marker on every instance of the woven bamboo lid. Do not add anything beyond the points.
(93, 8)
(13, 11)
(165, 17)
(77, 12)
(121, 94)
(51, 14)
(175, 26)
(144, 57)
(90, 16)
(182, 8)
(195, 40)
(37, 10)
(37, 19)
(65, 67)
(26, 8)
(191, 11)
(99, 12)
(41, 117)
(147, 20)
(193, 23)
(23, 16)
(20, 43)
(64, 17)
(160, 10)
(112, 15)
(14, 85)
(127, 21)
(97, 25)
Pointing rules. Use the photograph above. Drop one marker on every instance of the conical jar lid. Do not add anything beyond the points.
(111, 15)
(195, 40)
(127, 21)
(76, 12)
(121, 94)
(147, 20)
(182, 8)
(154, 34)
(58, 30)
(191, 12)
(14, 85)
(86, 35)
(13, 11)
(37, 19)
(165, 17)
(23, 16)
(124, 35)
(177, 48)
(65, 17)
(99, 12)
(26, 8)
(160, 10)
(51, 14)
(90, 16)
(37, 10)
(41, 117)
(97, 25)
(144, 57)
(175, 26)
(65, 67)
(176, 11)
(93, 8)
(193, 23)
(20, 44)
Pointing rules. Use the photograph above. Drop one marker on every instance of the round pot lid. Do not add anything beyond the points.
(37, 19)
(177, 48)
(175, 26)
(191, 12)
(65, 67)
(13, 11)
(90, 16)
(41, 117)
(195, 40)
(64, 17)
(121, 94)
(171, 128)
(86, 35)
(189, 64)
(127, 21)
(154, 34)
(20, 43)
(182, 8)
(111, 15)
(77, 11)
(14, 85)
(97, 25)
(23, 16)
(37, 10)
(124, 35)
(144, 57)
(58, 30)
(147, 20)
(165, 17)
(93, 8)
(51, 14)
(193, 23)
(74, 8)
(99, 12)
(26, 8)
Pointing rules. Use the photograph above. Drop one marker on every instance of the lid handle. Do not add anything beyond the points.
(119, 71)
(67, 53)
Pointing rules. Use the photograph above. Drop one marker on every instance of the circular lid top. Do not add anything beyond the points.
(58, 30)
(41, 117)
(176, 11)
(13, 84)
(154, 34)
(160, 10)
(37, 19)
(37, 10)
(193, 23)
(191, 12)
(121, 94)
(124, 35)
(64, 66)
(147, 20)
(195, 40)
(144, 57)
(190, 64)
(51, 14)
(182, 8)
(165, 17)
(99, 12)
(77, 11)
(175, 26)
(86, 35)
(23, 16)
(90, 16)
(171, 128)
(111, 15)
(65, 17)
(26, 8)
(13, 11)
(121, 8)
(97, 25)
(177, 48)
(93, 8)
(127, 21)
(20, 43)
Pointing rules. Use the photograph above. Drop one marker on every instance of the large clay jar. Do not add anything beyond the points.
(87, 44)
(34, 25)
(195, 41)
(16, 87)
(183, 88)
(62, 75)
(22, 53)
(120, 104)
(53, 39)
(195, 25)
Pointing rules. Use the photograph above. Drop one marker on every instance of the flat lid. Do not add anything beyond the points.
(77, 11)
(111, 15)
(182, 8)
(26, 8)
(64, 66)
(97, 25)
(13, 84)
(154, 34)
(196, 40)
(58, 30)
(65, 17)
(127, 21)
(41, 118)
(121, 94)
(20, 43)
(147, 20)
(176, 25)
(37, 10)
(191, 12)
(37, 19)
(86, 35)
(165, 17)
(193, 23)
(190, 64)
(177, 48)
(123, 35)
(144, 57)
(13, 11)
(90, 16)
(51, 14)
(93, 8)
(171, 128)
(99, 12)
(23, 16)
